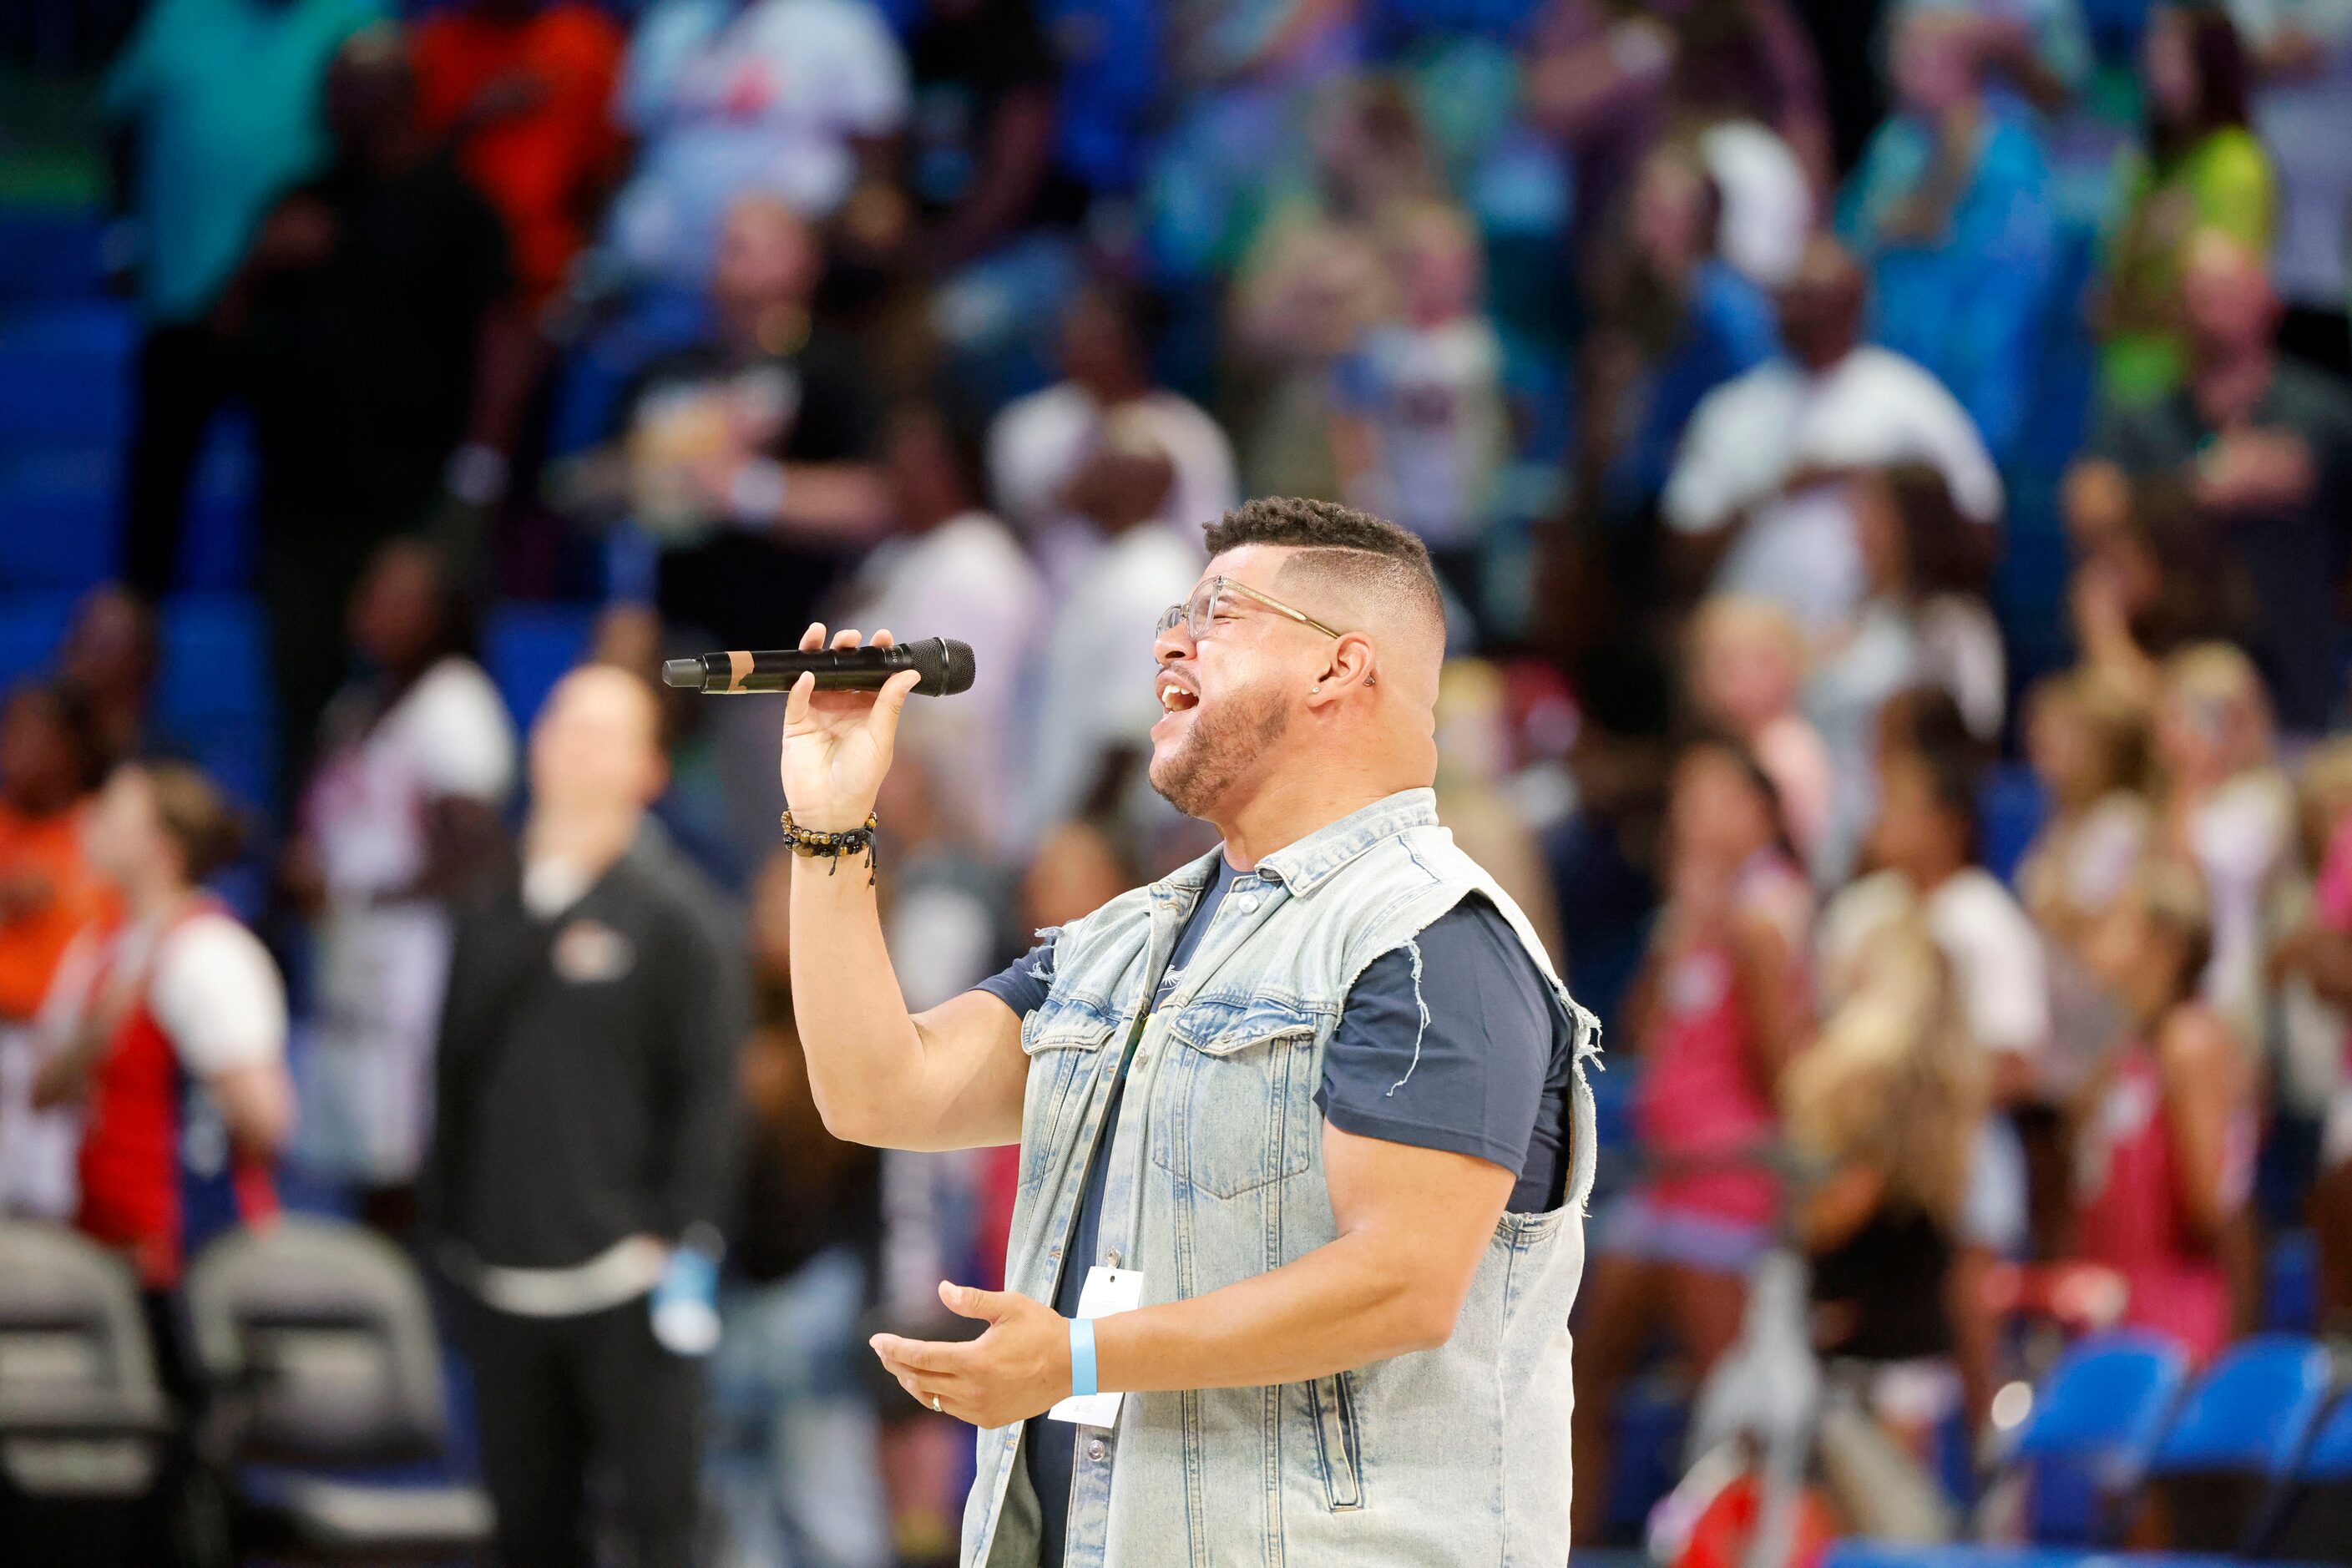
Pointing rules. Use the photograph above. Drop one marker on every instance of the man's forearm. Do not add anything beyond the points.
(862, 1046)
(1345, 1304)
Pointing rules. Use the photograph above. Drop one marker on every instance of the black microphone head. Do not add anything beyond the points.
(947, 665)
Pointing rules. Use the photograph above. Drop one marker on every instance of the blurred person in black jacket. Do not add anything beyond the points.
(586, 1128)
(388, 358)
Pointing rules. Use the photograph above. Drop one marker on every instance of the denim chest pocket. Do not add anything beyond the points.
(1239, 1096)
(1063, 1041)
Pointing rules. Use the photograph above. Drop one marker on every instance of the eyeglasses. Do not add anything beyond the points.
(1212, 602)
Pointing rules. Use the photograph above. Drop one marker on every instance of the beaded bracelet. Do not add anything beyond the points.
(833, 846)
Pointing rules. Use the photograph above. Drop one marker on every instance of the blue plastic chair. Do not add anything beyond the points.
(2250, 1412)
(65, 371)
(2096, 1420)
(2329, 1457)
(2315, 1524)
(2236, 1438)
(214, 701)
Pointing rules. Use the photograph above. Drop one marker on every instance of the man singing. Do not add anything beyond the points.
(1304, 1131)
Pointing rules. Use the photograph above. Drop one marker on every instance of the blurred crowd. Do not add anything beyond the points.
(1890, 463)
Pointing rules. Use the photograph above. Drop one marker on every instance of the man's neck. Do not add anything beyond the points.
(589, 839)
(1287, 810)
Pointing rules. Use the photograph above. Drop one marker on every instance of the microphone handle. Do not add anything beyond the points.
(775, 669)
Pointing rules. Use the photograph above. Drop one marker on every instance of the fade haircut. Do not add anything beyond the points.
(1365, 556)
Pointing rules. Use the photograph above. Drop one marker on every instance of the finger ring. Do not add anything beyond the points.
(936, 1406)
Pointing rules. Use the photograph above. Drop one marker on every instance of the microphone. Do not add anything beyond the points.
(946, 665)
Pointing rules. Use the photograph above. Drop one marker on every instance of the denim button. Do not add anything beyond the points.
(1246, 903)
(1095, 1450)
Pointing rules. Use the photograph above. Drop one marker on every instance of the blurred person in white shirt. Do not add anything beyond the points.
(1925, 847)
(794, 99)
(952, 569)
(1758, 494)
(1421, 434)
(1039, 443)
(1094, 682)
(417, 761)
(169, 1029)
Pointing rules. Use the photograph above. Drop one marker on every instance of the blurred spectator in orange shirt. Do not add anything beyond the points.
(48, 763)
(49, 754)
(523, 91)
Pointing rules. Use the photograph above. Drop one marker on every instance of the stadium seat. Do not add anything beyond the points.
(316, 1347)
(83, 1422)
(64, 372)
(2236, 1437)
(31, 626)
(60, 506)
(2093, 1427)
(214, 701)
(528, 648)
(2315, 1524)
(52, 253)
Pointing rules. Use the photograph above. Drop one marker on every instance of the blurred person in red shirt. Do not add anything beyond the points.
(47, 894)
(523, 91)
(168, 1026)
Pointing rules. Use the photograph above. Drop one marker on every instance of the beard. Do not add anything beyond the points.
(1218, 747)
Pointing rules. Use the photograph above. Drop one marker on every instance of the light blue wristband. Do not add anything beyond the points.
(1082, 1356)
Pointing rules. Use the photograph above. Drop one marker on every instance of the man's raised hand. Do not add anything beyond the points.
(837, 744)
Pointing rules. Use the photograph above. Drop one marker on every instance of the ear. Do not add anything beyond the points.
(1349, 668)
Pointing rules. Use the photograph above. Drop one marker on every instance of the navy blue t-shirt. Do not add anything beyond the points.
(1463, 1048)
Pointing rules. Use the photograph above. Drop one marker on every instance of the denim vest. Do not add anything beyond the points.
(1453, 1456)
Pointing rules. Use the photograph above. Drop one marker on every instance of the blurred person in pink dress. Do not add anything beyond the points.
(1717, 1012)
(2165, 1147)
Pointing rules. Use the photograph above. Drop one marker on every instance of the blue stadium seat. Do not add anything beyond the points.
(216, 542)
(31, 626)
(2329, 1457)
(59, 508)
(65, 371)
(528, 648)
(2315, 1524)
(2236, 1436)
(2093, 1427)
(213, 700)
(52, 253)
(2252, 1410)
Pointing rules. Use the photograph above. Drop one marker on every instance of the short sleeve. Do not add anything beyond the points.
(1999, 957)
(218, 997)
(1023, 984)
(869, 93)
(1445, 1043)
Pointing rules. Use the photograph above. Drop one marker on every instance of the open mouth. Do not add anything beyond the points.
(1176, 698)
